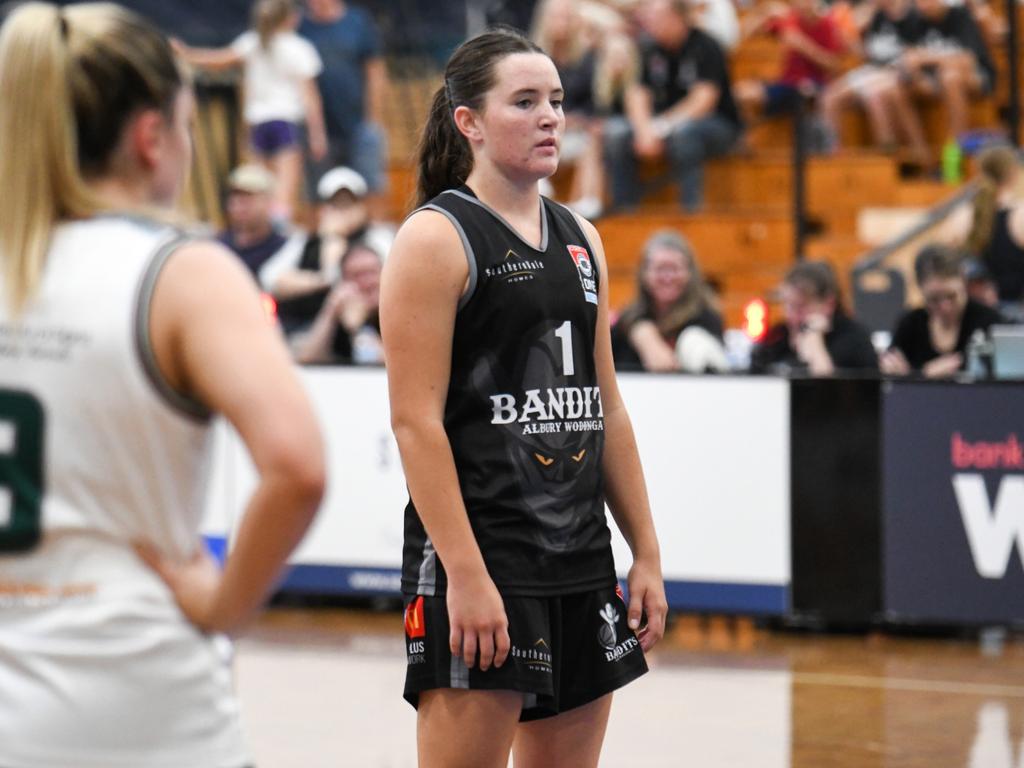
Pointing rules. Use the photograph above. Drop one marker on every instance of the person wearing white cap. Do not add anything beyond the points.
(301, 281)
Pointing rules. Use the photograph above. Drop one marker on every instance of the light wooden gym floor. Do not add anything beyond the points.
(323, 688)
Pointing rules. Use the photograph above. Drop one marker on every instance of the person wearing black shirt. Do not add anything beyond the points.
(950, 61)
(682, 109)
(672, 297)
(932, 340)
(816, 337)
(513, 435)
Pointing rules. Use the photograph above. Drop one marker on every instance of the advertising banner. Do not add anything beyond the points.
(953, 493)
(715, 452)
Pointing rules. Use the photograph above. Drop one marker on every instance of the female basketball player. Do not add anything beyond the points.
(512, 432)
(119, 338)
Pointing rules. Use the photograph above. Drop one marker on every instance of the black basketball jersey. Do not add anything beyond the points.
(523, 413)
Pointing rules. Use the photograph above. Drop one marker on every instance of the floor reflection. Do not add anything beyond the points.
(322, 688)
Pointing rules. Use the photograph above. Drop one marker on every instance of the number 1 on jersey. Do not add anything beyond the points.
(564, 334)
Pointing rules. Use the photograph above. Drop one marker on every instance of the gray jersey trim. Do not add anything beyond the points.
(185, 406)
(579, 223)
(543, 220)
(470, 256)
(428, 571)
(459, 673)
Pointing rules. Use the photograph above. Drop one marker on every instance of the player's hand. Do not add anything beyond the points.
(194, 582)
(478, 623)
(647, 596)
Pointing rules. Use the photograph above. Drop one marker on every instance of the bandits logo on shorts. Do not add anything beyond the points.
(585, 268)
(608, 635)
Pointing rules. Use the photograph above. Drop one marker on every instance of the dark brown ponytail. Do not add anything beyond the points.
(444, 159)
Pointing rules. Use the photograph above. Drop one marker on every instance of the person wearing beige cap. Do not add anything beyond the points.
(250, 231)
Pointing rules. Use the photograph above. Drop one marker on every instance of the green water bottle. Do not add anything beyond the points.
(952, 162)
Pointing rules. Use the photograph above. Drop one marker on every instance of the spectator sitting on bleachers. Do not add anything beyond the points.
(347, 327)
(816, 336)
(997, 230)
(558, 28)
(718, 18)
(813, 47)
(672, 303)
(892, 27)
(352, 86)
(950, 62)
(301, 280)
(279, 90)
(250, 230)
(682, 109)
(932, 340)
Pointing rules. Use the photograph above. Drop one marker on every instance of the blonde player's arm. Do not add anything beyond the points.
(625, 488)
(213, 343)
(423, 280)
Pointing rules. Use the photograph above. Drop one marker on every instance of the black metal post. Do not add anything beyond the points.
(1012, 49)
(799, 172)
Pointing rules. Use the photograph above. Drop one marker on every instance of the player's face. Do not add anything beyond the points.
(176, 157)
(521, 124)
(666, 275)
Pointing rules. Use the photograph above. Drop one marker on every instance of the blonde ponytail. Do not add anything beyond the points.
(996, 165)
(37, 145)
(69, 81)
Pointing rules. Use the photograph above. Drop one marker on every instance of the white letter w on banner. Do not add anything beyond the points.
(991, 533)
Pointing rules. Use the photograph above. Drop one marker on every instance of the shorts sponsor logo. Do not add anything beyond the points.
(608, 636)
(414, 626)
(536, 658)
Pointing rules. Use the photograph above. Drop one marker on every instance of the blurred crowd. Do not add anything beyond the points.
(645, 81)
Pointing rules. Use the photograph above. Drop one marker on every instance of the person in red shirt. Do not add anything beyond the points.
(813, 46)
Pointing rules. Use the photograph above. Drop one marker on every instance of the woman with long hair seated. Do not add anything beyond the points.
(673, 324)
(932, 340)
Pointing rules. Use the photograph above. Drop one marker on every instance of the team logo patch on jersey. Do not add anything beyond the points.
(414, 626)
(585, 268)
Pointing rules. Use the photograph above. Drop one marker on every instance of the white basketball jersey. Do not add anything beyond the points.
(98, 667)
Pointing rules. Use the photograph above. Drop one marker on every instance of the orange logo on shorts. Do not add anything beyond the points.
(414, 626)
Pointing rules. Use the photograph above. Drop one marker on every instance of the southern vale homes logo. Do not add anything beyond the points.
(514, 268)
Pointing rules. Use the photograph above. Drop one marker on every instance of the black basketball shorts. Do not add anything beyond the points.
(566, 651)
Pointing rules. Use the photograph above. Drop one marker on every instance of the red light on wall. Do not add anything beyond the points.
(269, 306)
(755, 319)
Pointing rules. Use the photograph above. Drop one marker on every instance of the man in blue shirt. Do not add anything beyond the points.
(351, 88)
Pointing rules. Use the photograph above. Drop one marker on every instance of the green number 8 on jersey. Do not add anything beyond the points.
(21, 471)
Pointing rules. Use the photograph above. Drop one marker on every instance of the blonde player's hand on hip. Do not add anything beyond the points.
(194, 583)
